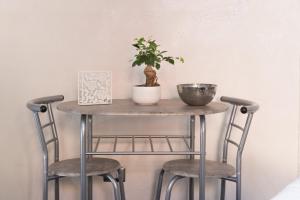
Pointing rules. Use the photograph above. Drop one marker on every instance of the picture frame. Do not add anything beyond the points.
(94, 87)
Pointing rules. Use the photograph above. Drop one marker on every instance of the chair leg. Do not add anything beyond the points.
(191, 189)
(223, 185)
(121, 175)
(56, 188)
(90, 188)
(45, 188)
(170, 186)
(115, 186)
(159, 184)
(238, 189)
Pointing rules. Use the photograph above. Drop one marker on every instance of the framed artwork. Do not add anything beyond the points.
(94, 87)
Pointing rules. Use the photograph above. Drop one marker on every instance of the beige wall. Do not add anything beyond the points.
(249, 48)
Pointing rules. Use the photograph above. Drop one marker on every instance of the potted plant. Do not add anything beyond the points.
(149, 55)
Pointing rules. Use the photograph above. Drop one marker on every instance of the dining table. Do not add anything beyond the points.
(89, 142)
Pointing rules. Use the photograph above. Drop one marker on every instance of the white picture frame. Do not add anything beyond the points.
(94, 87)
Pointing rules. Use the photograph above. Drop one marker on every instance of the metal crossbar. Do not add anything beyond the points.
(115, 144)
(132, 139)
(48, 124)
(133, 144)
(52, 140)
(151, 143)
(187, 145)
(97, 144)
(233, 142)
(168, 141)
(237, 126)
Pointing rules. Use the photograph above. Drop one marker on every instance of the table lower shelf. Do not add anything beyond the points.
(142, 145)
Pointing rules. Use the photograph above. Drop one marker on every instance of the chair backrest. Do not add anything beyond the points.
(44, 119)
(247, 108)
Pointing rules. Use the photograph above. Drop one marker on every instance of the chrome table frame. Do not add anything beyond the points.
(164, 108)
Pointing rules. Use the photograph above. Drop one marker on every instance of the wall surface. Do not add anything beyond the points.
(250, 49)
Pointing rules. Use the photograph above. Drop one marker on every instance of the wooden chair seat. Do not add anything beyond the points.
(94, 166)
(191, 168)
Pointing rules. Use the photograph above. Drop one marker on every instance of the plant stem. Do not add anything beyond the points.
(151, 78)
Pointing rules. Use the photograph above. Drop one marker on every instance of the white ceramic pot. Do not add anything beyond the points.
(146, 95)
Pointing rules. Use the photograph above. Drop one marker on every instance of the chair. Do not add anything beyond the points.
(187, 168)
(45, 123)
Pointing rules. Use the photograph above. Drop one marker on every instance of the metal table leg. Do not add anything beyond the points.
(202, 158)
(192, 146)
(82, 157)
(89, 149)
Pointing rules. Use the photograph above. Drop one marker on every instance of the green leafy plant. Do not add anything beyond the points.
(149, 54)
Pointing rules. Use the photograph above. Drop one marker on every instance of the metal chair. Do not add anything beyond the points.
(44, 119)
(189, 168)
